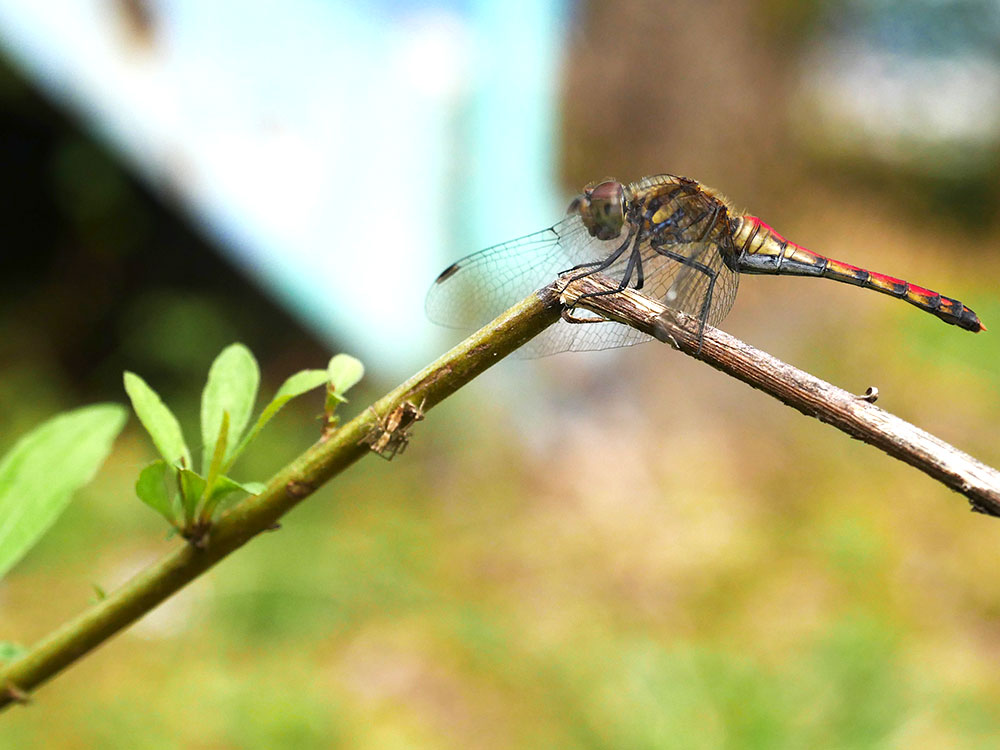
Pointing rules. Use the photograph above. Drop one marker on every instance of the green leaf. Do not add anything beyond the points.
(159, 421)
(231, 387)
(344, 372)
(224, 488)
(215, 468)
(296, 385)
(192, 488)
(152, 488)
(39, 475)
(253, 488)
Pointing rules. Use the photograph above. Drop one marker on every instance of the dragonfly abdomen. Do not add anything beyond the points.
(762, 250)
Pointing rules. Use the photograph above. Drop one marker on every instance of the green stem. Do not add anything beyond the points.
(287, 488)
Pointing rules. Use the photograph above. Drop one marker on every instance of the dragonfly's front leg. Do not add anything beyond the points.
(569, 317)
(598, 265)
(634, 266)
(594, 267)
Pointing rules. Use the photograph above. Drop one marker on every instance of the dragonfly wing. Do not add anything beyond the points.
(477, 288)
(474, 290)
(706, 282)
(581, 337)
(686, 267)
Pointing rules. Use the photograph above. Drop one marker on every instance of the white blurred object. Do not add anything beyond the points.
(911, 84)
(343, 153)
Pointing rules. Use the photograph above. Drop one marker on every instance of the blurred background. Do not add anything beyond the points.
(601, 550)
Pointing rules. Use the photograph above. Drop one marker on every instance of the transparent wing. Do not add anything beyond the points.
(693, 291)
(704, 286)
(474, 290)
(683, 257)
(581, 337)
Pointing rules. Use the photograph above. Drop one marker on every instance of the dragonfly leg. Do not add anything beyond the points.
(598, 265)
(711, 275)
(634, 265)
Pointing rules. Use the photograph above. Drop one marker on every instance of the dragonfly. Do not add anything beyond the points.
(667, 236)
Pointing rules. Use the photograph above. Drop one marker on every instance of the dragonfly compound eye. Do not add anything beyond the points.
(602, 209)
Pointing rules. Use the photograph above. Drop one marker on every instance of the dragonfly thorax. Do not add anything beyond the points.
(602, 208)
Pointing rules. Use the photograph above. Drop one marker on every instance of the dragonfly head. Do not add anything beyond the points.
(602, 208)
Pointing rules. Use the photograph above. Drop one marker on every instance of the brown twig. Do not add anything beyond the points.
(855, 415)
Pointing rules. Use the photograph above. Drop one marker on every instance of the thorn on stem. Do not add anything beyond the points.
(870, 395)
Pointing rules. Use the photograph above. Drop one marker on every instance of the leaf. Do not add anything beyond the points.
(192, 488)
(39, 475)
(344, 372)
(224, 488)
(228, 484)
(215, 468)
(159, 421)
(253, 488)
(296, 385)
(152, 489)
(231, 387)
